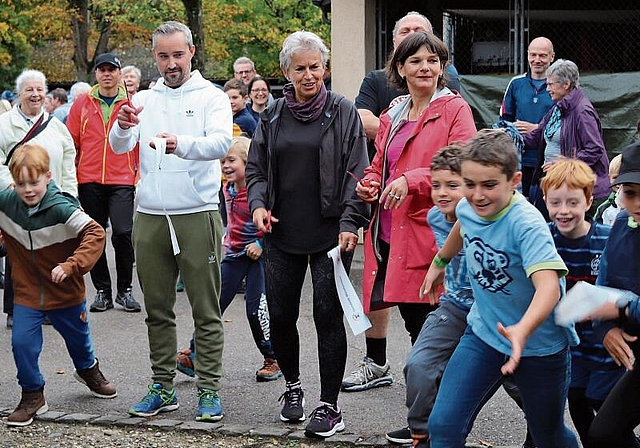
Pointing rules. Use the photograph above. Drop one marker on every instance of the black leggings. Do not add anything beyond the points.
(285, 277)
(619, 415)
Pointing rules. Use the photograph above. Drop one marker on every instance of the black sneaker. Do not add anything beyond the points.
(293, 407)
(126, 301)
(102, 302)
(325, 421)
(9, 321)
(400, 436)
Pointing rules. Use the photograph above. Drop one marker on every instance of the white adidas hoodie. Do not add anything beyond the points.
(188, 180)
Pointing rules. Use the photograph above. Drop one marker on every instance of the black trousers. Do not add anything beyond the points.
(114, 204)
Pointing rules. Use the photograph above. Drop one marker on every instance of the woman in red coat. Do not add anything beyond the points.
(399, 245)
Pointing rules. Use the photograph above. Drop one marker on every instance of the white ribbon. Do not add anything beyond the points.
(351, 305)
(161, 148)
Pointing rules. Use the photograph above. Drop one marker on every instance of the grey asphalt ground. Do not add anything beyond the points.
(120, 341)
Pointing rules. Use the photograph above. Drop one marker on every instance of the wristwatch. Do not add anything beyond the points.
(622, 313)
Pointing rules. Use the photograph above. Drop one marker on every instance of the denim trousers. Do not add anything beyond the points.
(427, 360)
(26, 340)
(473, 376)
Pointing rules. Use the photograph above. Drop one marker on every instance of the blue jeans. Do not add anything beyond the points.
(473, 376)
(427, 360)
(26, 340)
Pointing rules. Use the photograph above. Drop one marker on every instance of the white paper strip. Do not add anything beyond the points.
(349, 299)
(584, 299)
(161, 148)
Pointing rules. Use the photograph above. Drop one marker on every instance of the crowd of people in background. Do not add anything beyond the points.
(232, 184)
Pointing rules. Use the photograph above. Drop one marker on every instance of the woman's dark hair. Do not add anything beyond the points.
(409, 47)
(256, 79)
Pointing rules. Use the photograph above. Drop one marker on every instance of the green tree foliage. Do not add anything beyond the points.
(256, 29)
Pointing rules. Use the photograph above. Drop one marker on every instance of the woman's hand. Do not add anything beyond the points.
(347, 241)
(368, 192)
(262, 219)
(394, 193)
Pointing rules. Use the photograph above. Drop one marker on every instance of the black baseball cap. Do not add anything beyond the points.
(630, 166)
(107, 58)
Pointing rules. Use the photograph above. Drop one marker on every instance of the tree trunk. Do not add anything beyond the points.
(79, 23)
(194, 22)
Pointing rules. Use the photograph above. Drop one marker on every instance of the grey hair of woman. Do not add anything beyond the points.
(172, 27)
(302, 41)
(564, 70)
(30, 75)
(132, 69)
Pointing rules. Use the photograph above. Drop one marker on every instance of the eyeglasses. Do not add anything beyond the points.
(244, 72)
(259, 90)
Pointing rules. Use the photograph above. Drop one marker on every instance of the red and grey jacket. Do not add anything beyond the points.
(95, 160)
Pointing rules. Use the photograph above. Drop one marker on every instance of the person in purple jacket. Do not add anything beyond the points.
(570, 129)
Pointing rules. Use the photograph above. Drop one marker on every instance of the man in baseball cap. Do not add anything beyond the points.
(106, 180)
(107, 58)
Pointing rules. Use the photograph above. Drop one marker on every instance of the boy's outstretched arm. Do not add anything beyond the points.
(92, 241)
(435, 275)
(544, 300)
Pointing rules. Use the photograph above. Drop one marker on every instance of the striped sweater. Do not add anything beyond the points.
(58, 233)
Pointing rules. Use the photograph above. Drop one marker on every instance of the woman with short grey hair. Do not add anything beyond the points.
(302, 196)
(131, 76)
(572, 129)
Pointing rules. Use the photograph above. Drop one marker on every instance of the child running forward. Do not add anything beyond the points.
(620, 268)
(516, 278)
(443, 327)
(567, 189)
(52, 243)
(243, 257)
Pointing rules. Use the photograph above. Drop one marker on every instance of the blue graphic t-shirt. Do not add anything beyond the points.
(456, 279)
(502, 253)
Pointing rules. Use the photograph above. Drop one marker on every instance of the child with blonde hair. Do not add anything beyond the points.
(609, 209)
(242, 257)
(52, 243)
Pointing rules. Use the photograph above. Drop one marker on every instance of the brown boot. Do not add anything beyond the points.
(96, 382)
(31, 404)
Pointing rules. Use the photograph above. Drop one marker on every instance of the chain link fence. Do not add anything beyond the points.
(600, 37)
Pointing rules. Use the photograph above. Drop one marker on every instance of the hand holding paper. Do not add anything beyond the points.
(584, 301)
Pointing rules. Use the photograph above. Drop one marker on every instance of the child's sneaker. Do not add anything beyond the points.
(157, 400)
(31, 404)
(96, 382)
(367, 375)
(269, 371)
(293, 406)
(325, 421)
(184, 362)
(209, 407)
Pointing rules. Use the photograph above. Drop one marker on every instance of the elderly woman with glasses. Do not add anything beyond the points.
(302, 196)
(572, 129)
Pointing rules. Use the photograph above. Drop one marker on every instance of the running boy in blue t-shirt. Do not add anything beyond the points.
(515, 273)
(568, 188)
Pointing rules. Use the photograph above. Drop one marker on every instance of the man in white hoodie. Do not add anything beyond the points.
(184, 126)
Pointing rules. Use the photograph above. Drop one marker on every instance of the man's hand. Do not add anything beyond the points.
(262, 219)
(616, 343)
(172, 142)
(128, 116)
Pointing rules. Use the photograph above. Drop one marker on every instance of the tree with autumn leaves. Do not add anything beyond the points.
(62, 37)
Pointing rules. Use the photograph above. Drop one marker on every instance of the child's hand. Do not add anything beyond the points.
(254, 251)
(58, 275)
(433, 279)
(517, 338)
(616, 341)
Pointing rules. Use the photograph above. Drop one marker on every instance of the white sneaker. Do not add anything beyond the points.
(367, 375)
